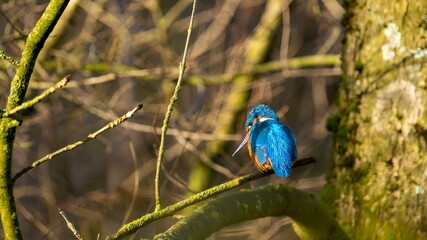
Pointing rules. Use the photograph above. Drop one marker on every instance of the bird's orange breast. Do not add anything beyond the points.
(265, 167)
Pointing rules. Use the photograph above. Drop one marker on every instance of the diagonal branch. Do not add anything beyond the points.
(9, 58)
(37, 99)
(78, 143)
(70, 225)
(133, 226)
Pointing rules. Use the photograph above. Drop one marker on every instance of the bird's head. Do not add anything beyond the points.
(259, 113)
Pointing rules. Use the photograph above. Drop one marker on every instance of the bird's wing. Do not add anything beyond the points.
(293, 141)
(274, 142)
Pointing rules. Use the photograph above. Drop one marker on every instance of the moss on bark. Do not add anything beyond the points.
(379, 172)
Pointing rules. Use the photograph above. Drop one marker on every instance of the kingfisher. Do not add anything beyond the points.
(271, 144)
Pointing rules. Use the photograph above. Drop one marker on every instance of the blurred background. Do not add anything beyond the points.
(121, 53)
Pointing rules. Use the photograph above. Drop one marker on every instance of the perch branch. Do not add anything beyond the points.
(133, 226)
(310, 219)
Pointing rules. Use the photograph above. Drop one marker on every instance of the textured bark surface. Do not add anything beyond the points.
(378, 177)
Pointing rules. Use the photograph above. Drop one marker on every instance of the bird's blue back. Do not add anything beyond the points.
(273, 141)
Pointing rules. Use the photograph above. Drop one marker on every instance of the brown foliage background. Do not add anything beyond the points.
(120, 53)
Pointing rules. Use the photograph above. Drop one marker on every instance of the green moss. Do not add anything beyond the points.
(330, 193)
(348, 16)
(384, 229)
(392, 186)
(354, 105)
(348, 161)
(333, 122)
(361, 173)
(399, 116)
(358, 66)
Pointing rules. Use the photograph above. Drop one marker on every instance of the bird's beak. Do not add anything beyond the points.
(245, 140)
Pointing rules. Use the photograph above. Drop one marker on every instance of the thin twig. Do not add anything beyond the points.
(133, 226)
(70, 225)
(78, 143)
(17, 29)
(8, 58)
(172, 102)
(135, 185)
(148, 128)
(37, 99)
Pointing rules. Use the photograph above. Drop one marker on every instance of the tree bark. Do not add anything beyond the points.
(33, 44)
(378, 177)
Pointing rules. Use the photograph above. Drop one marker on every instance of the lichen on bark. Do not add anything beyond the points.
(378, 176)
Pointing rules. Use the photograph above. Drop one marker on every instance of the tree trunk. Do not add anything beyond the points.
(378, 178)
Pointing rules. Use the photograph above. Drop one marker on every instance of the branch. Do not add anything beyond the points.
(70, 225)
(310, 219)
(312, 65)
(9, 58)
(172, 102)
(133, 226)
(76, 144)
(18, 88)
(37, 99)
(33, 46)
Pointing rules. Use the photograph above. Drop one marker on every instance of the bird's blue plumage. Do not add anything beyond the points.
(260, 110)
(271, 144)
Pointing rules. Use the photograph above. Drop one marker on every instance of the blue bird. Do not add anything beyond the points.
(271, 144)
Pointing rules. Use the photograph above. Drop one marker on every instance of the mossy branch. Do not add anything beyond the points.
(133, 226)
(37, 99)
(32, 48)
(34, 43)
(310, 219)
(153, 74)
(8, 58)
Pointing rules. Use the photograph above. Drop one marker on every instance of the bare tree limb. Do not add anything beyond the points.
(37, 99)
(172, 102)
(72, 146)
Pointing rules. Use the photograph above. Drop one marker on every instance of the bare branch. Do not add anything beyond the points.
(78, 143)
(172, 102)
(37, 99)
(70, 225)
